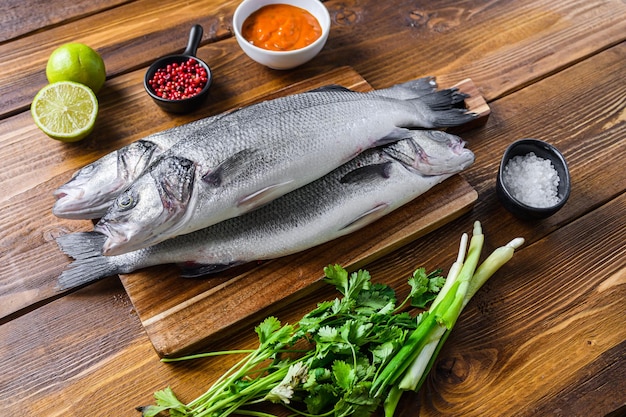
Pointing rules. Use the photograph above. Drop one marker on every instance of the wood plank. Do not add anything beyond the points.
(216, 307)
(17, 18)
(532, 41)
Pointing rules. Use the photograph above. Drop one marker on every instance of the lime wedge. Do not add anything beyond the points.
(65, 110)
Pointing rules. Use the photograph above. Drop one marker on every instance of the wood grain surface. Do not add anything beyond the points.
(544, 337)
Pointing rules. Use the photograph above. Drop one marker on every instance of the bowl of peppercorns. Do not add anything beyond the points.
(180, 83)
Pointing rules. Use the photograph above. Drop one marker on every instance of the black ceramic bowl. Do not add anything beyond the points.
(188, 104)
(545, 151)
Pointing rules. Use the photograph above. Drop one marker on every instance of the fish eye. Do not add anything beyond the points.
(88, 168)
(84, 171)
(126, 201)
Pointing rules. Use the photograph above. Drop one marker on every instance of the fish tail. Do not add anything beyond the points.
(89, 265)
(452, 117)
(445, 99)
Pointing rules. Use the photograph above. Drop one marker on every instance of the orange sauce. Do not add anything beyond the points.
(281, 27)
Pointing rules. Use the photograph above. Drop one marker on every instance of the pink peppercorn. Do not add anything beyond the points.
(178, 81)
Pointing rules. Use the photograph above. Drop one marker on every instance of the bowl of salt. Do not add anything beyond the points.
(533, 179)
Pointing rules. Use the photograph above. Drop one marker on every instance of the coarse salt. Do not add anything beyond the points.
(532, 180)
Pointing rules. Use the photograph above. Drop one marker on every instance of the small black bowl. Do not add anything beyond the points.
(545, 151)
(188, 104)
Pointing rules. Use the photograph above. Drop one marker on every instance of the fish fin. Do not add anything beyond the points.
(89, 265)
(365, 173)
(264, 195)
(134, 158)
(398, 133)
(194, 270)
(366, 218)
(175, 177)
(81, 245)
(330, 87)
(230, 167)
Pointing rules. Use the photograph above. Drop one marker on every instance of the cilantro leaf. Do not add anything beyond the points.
(343, 374)
(267, 328)
(418, 282)
(338, 277)
(381, 353)
(359, 281)
(320, 399)
(328, 334)
(362, 403)
(348, 285)
(424, 287)
(378, 299)
(165, 400)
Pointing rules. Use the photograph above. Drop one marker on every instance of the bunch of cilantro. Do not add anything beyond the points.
(350, 355)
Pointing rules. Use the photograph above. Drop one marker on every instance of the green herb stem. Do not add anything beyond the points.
(453, 273)
(391, 402)
(450, 315)
(206, 355)
(420, 365)
(495, 261)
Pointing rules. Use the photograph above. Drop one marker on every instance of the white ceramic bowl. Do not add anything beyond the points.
(282, 59)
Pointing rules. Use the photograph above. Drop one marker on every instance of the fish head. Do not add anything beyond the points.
(92, 189)
(432, 152)
(89, 192)
(151, 209)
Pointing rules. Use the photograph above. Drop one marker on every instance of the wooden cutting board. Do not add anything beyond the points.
(182, 315)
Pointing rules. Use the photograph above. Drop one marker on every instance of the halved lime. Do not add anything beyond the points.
(65, 110)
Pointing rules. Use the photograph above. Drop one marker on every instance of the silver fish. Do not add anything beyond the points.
(93, 188)
(354, 195)
(252, 156)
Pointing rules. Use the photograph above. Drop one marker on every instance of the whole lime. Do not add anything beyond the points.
(76, 62)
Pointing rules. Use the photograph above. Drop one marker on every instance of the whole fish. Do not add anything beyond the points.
(93, 188)
(354, 195)
(249, 157)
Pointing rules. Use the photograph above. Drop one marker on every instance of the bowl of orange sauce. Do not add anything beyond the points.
(281, 34)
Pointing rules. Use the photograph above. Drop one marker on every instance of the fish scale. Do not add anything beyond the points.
(261, 153)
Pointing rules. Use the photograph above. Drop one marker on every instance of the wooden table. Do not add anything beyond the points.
(545, 336)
